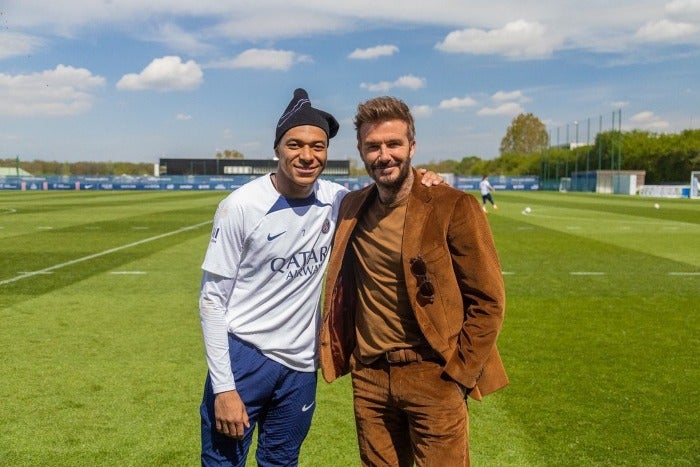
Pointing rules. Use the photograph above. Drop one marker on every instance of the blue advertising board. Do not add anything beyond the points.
(501, 182)
(201, 183)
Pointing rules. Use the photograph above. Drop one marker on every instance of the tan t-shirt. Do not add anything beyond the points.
(384, 320)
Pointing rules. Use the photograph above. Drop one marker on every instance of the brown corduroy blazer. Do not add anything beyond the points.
(449, 230)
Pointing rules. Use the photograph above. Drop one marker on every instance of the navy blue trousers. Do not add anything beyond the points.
(279, 400)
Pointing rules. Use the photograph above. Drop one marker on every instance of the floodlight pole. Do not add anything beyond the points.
(588, 154)
(612, 155)
(576, 155)
(600, 144)
(568, 143)
(619, 146)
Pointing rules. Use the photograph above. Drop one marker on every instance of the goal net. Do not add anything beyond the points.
(695, 184)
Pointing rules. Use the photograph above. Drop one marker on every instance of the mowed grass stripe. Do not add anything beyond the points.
(81, 237)
(541, 263)
(671, 209)
(27, 275)
(672, 233)
(88, 210)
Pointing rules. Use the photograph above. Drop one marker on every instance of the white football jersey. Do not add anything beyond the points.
(276, 250)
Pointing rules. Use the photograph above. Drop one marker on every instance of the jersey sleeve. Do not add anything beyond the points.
(213, 297)
(226, 242)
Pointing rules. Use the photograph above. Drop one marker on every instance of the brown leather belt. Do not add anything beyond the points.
(414, 354)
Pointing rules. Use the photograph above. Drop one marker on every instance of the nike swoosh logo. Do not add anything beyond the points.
(272, 237)
(305, 407)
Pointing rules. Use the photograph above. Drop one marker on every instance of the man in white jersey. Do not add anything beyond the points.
(259, 297)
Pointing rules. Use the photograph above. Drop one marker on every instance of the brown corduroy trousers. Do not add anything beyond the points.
(409, 413)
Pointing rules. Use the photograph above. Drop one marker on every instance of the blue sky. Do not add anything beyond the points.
(135, 80)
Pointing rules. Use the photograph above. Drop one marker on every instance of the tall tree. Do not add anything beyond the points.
(526, 135)
(229, 154)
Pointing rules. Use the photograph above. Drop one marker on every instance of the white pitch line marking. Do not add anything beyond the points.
(587, 273)
(684, 273)
(8, 211)
(137, 227)
(44, 227)
(127, 273)
(24, 273)
(102, 253)
(507, 273)
(612, 220)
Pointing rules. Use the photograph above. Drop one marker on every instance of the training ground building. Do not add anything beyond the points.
(223, 167)
(626, 182)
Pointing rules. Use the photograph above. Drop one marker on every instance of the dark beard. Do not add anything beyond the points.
(392, 185)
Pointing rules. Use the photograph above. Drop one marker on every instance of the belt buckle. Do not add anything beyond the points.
(399, 353)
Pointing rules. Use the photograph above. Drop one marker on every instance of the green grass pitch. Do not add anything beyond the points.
(102, 360)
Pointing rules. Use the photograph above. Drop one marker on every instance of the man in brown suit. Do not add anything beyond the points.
(414, 302)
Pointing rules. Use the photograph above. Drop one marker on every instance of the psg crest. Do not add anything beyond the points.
(326, 226)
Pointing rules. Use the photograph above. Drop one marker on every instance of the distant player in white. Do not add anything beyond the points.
(486, 188)
(259, 297)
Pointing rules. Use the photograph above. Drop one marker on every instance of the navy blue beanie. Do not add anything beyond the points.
(299, 112)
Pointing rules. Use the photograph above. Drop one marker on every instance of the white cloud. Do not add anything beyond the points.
(505, 103)
(14, 44)
(508, 109)
(642, 117)
(684, 10)
(257, 21)
(263, 59)
(619, 104)
(181, 40)
(62, 91)
(183, 117)
(506, 96)
(666, 30)
(164, 74)
(420, 111)
(647, 120)
(373, 52)
(535, 29)
(410, 82)
(405, 82)
(517, 40)
(457, 103)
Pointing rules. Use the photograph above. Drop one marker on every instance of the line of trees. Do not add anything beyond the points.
(40, 168)
(525, 150)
